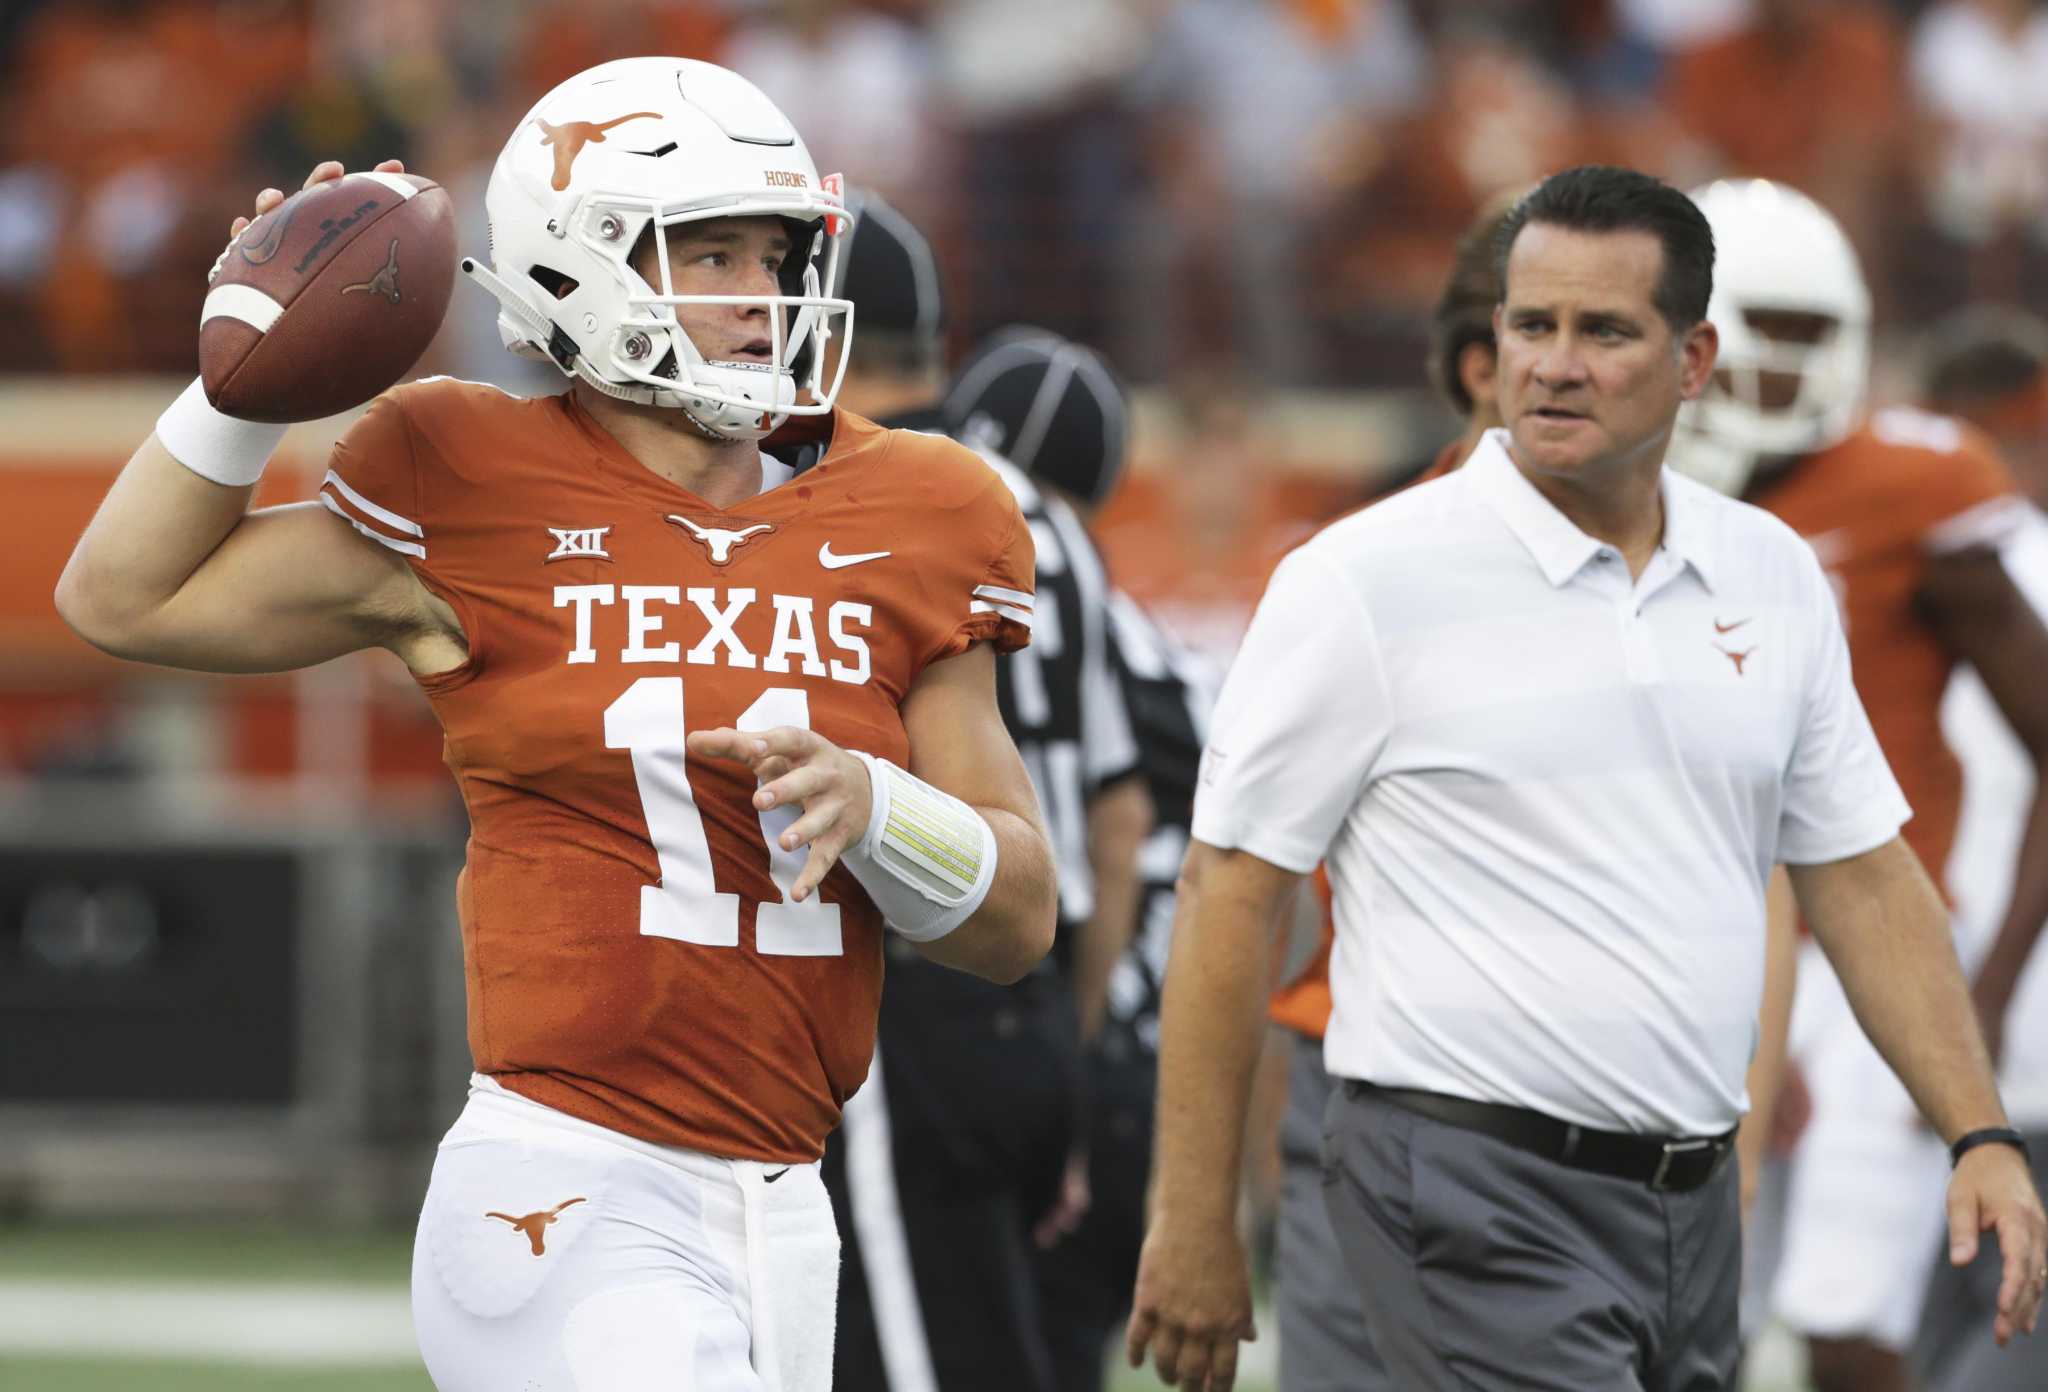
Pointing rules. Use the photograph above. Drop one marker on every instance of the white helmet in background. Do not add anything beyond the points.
(1775, 249)
(656, 142)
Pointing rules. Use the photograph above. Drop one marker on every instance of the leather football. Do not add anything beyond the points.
(328, 298)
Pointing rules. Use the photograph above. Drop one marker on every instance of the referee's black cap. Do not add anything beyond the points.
(1050, 406)
(887, 269)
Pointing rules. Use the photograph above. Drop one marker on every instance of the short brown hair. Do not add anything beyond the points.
(1464, 311)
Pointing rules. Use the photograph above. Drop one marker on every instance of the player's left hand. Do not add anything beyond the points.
(1991, 1189)
(802, 767)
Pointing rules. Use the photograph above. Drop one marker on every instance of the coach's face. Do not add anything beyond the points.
(1591, 373)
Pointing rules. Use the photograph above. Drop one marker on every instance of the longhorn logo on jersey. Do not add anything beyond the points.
(718, 540)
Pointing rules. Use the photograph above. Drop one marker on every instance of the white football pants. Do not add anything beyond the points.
(1865, 1203)
(554, 1255)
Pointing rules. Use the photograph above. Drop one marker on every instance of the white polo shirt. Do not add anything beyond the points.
(1548, 796)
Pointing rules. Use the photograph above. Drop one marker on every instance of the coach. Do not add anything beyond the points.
(1550, 721)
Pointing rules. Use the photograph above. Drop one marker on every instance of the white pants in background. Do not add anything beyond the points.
(1865, 1203)
(554, 1255)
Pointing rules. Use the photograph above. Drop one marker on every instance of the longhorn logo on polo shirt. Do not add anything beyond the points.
(1738, 658)
(534, 1225)
(570, 137)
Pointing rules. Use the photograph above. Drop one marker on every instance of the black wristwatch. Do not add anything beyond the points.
(1988, 1135)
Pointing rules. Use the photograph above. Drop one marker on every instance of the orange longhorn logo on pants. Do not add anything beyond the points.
(570, 137)
(534, 1224)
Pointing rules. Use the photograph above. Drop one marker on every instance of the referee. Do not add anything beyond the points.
(1550, 721)
(1054, 409)
(955, 1160)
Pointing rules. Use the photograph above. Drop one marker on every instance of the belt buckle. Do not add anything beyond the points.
(1672, 1150)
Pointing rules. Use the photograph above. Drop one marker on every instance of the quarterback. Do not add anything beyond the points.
(717, 723)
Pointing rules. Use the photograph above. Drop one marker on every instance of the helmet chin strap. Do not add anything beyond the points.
(543, 331)
(665, 398)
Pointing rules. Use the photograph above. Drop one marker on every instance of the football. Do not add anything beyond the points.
(328, 298)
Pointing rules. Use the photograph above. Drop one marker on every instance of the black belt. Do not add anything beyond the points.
(1665, 1163)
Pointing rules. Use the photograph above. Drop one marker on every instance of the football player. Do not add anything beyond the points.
(1907, 511)
(717, 724)
(1989, 366)
(959, 1158)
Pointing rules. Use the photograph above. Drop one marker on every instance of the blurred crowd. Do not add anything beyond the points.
(1265, 188)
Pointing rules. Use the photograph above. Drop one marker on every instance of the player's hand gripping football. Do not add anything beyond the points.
(322, 172)
(269, 198)
(801, 767)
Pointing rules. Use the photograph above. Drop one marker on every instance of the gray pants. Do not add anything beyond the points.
(1955, 1351)
(1324, 1346)
(1483, 1266)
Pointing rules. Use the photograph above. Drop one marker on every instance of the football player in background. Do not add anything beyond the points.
(962, 1157)
(716, 723)
(1907, 511)
(1054, 409)
(1989, 366)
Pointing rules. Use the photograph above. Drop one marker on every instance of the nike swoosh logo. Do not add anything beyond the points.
(827, 559)
(771, 1178)
(1720, 627)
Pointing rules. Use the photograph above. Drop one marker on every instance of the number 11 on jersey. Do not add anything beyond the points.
(647, 721)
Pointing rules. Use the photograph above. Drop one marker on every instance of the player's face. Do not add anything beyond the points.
(1591, 374)
(1779, 391)
(722, 256)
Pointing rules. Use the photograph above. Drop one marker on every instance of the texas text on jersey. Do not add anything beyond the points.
(608, 612)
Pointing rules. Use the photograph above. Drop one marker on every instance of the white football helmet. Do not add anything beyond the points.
(1775, 249)
(654, 142)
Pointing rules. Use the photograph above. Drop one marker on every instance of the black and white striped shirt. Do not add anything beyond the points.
(1168, 698)
(1060, 697)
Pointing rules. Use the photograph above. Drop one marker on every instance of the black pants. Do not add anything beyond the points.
(941, 1167)
(1084, 1281)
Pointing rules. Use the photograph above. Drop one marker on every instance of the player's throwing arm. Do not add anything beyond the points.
(174, 569)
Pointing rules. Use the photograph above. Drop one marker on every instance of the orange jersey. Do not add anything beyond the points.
(1876, 508)
(630, 955)
(1303, 1003)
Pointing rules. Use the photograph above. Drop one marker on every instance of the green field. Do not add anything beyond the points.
(213, 1252)
(247, 1265)
(94, 1375)
(98, 1375)
(237, 1259)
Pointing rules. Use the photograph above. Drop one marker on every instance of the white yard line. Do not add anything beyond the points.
(217, 1321)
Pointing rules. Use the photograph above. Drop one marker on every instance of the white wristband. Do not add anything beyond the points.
(926, 859)
(214, 446)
